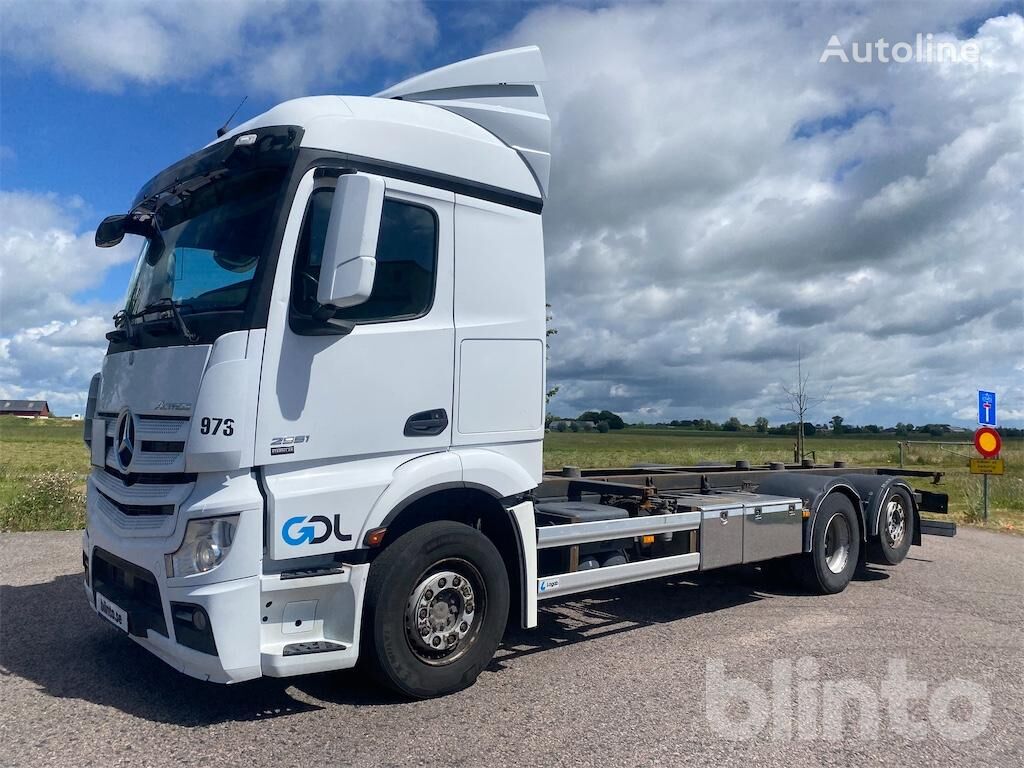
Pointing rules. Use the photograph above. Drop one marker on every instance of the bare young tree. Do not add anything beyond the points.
(800, 402)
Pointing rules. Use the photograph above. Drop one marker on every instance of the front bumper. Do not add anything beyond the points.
(130, 571)
(229, 607)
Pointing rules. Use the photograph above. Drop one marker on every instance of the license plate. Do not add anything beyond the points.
(112, 612)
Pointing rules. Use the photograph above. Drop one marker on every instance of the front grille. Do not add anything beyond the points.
(136, 510)
(163, 446)
(132, 588)
(151, 478)
(159, 446)
(143, 501)
(155, 446)
(150, 420)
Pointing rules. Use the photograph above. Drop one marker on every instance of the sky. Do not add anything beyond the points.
(721, 200)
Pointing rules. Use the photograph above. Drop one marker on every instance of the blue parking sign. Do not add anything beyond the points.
(986, 408)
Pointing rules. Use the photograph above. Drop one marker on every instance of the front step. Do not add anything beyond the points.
(309, 573)
(309, 619)
(309, 656)
(316, 646)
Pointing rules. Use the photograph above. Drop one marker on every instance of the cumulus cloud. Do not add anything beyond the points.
(270, 46)
(51, 341)
(720, 199)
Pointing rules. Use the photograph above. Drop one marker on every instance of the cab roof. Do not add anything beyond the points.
(482, 120)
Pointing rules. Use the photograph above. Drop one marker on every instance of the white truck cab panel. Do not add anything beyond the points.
(339, 397)
(500, 325)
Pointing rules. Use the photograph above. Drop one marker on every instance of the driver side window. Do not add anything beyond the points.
(403, 286)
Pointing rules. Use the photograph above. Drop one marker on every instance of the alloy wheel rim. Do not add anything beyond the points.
(895, 520)
(838, 540)
(445, 611)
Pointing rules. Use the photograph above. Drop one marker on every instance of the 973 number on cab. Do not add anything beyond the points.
(212, 425)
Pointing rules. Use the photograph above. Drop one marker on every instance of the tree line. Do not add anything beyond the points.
(605, 421)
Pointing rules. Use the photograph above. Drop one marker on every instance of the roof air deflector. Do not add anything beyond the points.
(499, 92)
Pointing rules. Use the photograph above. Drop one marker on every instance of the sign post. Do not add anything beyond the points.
(988, 443)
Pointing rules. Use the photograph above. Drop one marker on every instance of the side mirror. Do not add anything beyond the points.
(350, 249)
(111, 231)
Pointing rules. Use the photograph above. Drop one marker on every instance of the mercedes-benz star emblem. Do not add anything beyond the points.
(124, 445)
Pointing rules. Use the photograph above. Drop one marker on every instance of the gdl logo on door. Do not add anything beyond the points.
(318, 529)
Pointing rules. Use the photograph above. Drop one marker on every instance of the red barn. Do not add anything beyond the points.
(28, 409)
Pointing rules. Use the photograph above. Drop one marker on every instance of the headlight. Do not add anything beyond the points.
(207, 542)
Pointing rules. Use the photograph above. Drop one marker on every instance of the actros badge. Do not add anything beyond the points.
(319, 529)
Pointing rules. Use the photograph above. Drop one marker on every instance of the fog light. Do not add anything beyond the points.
(192, 627)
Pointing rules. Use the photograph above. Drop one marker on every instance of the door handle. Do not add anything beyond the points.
(426, 423)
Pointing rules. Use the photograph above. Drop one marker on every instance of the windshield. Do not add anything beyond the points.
(213, 231)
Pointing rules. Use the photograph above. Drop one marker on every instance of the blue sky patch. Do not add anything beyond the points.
(836, 123)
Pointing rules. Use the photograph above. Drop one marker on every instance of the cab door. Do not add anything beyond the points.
(382, 391)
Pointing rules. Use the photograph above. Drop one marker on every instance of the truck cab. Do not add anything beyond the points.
(259, 414)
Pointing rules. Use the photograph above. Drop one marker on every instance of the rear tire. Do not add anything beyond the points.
(895, 529)
(835, 547)
(434, 610)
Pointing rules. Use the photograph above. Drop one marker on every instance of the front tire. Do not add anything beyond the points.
(895, 529)
(435, 608)
(835, 547)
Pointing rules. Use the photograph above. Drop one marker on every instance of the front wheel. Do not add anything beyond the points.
(435, 609)
(835, 547)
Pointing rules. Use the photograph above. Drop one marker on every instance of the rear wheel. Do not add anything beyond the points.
(835, 547)
(435, 608)
(895, 529)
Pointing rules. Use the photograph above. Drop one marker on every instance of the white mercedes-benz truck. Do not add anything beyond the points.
(316, 437)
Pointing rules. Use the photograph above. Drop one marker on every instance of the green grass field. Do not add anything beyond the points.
(43, 465)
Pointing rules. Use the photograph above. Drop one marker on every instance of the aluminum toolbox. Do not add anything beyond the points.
(739, 527)
(772, 526)
(721, 527)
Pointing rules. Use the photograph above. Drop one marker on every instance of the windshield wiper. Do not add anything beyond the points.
(172, 306)
(126, 328)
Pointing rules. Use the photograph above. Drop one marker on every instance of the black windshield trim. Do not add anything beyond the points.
(217, 156)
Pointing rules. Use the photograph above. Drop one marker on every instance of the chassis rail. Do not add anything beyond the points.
(644, 481)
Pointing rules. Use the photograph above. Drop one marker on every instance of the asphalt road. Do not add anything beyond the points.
(616, 678)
